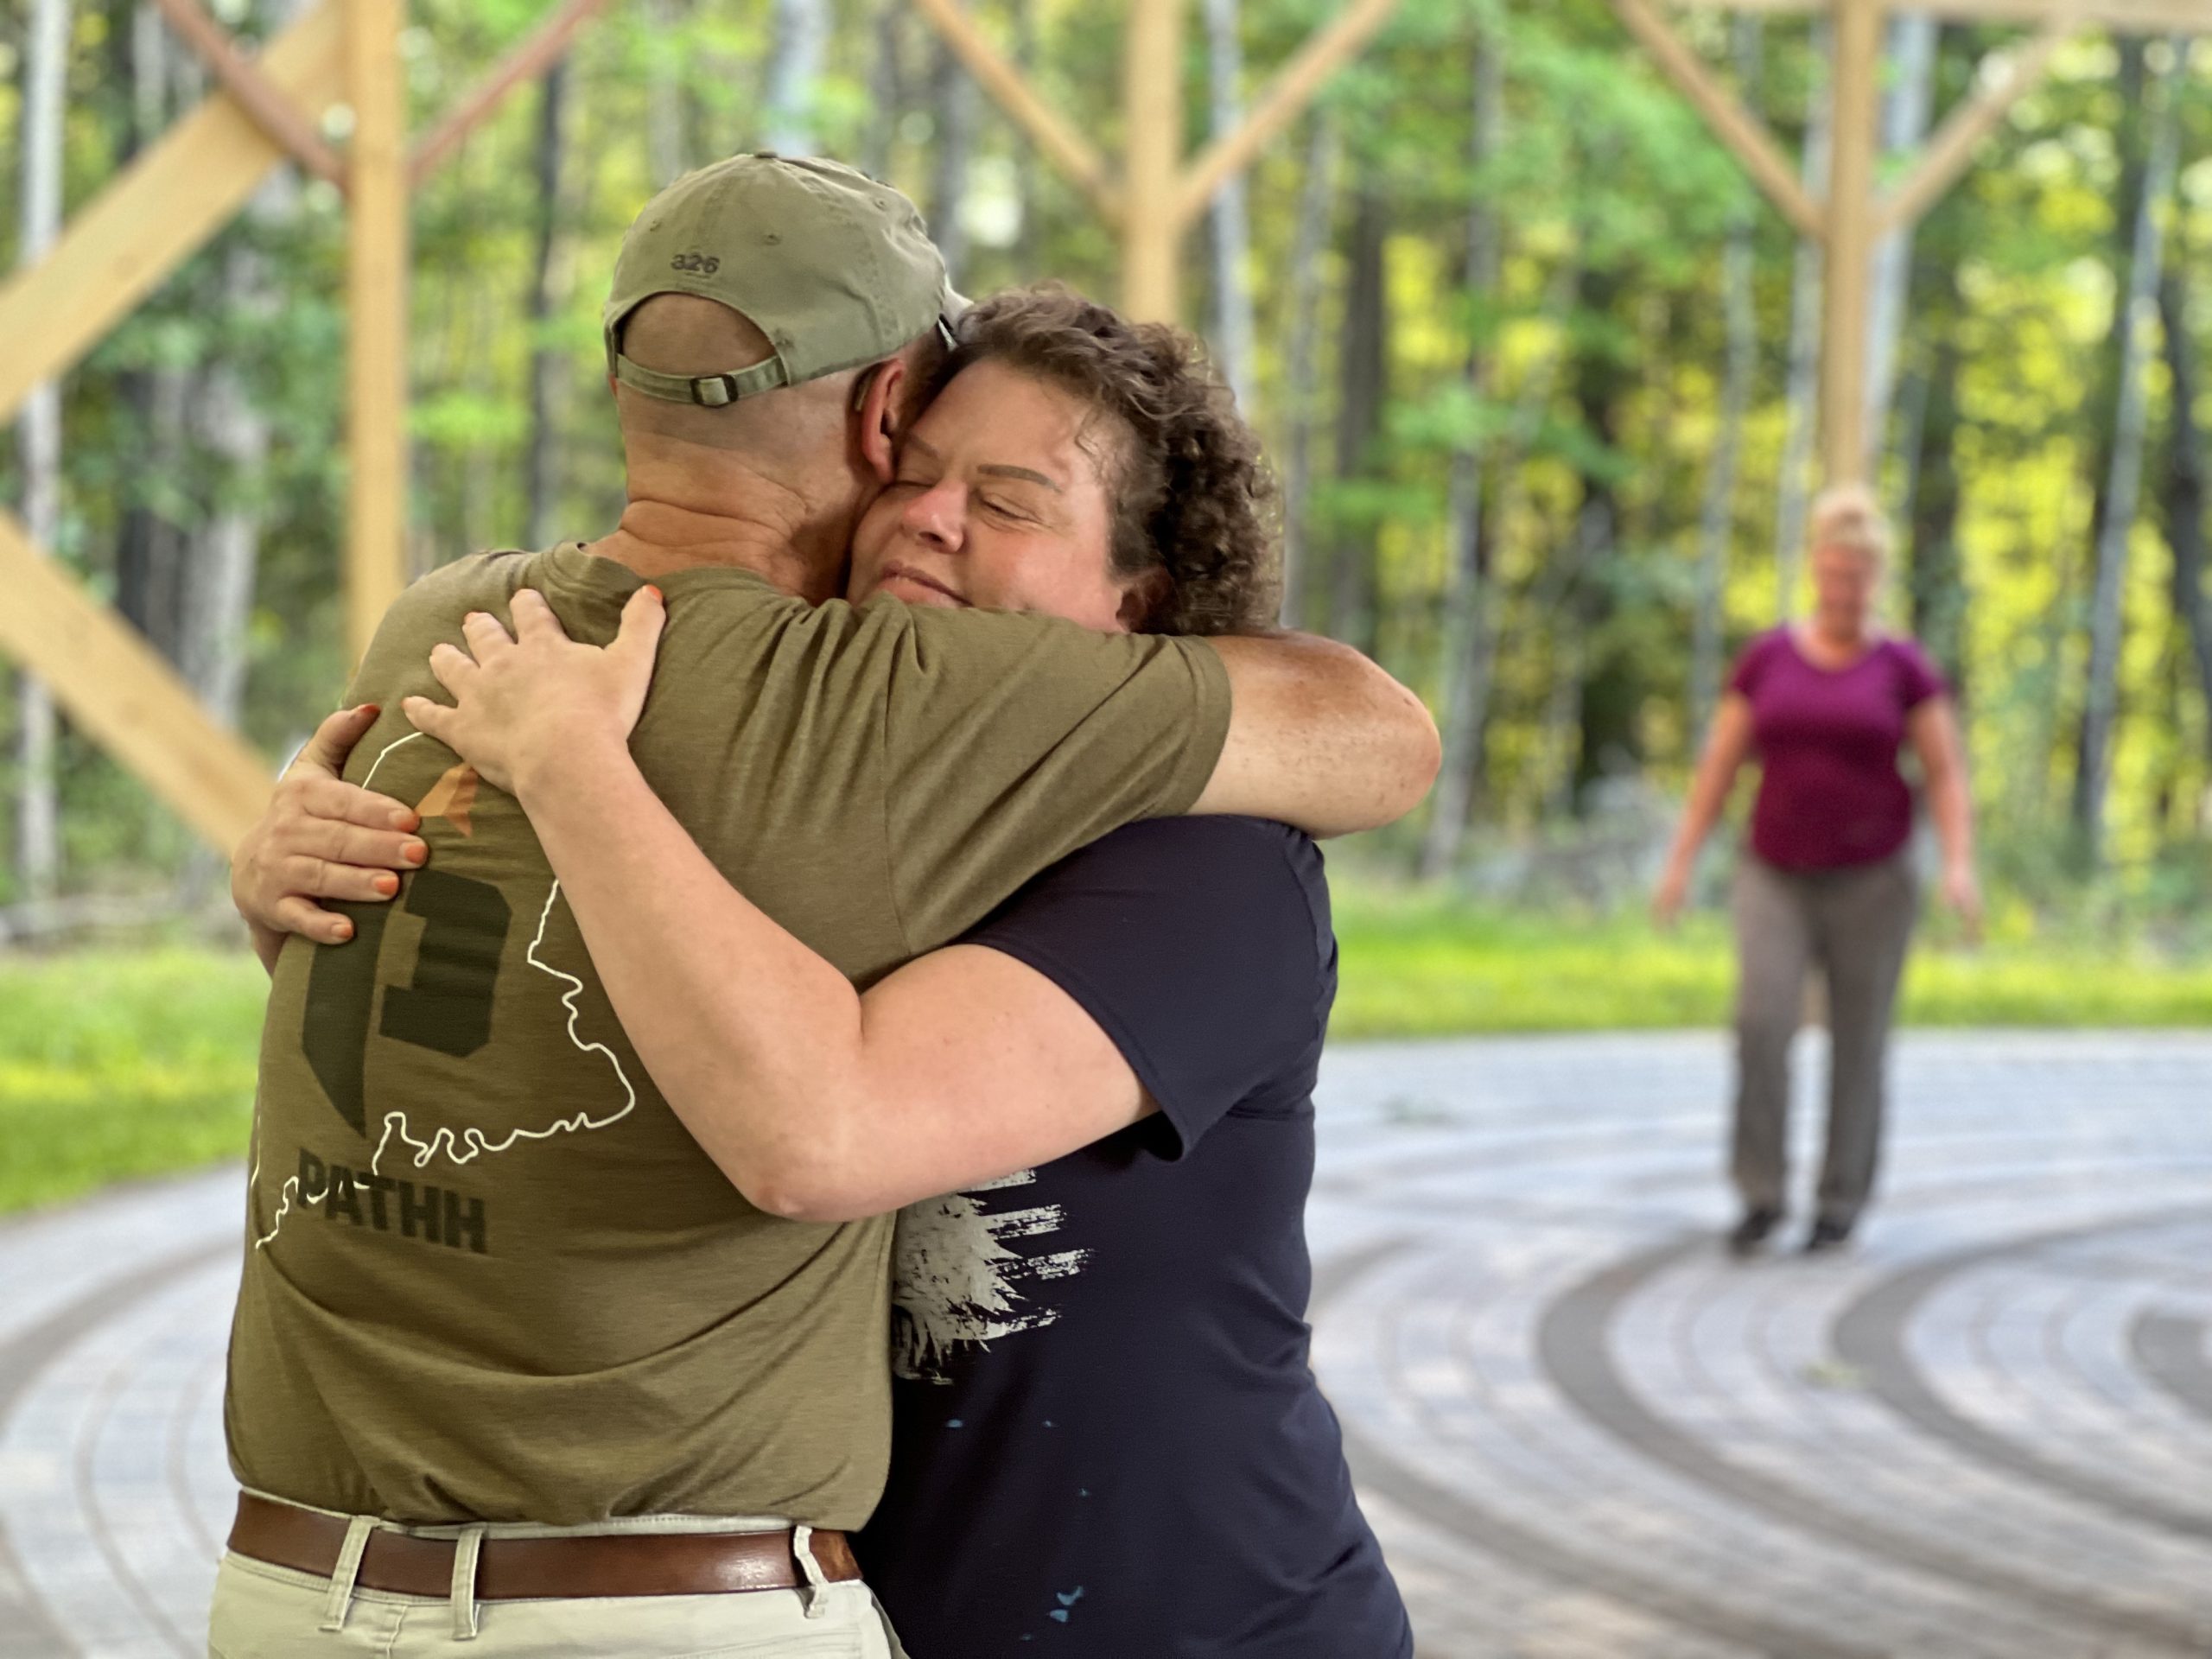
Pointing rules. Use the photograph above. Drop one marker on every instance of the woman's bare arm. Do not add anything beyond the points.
(1932, 727)
(818, 1102)
(1726, 751)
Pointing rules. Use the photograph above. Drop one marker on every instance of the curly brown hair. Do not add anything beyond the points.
(1191, 495)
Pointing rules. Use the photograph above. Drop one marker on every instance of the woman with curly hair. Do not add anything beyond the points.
(1108, 1439)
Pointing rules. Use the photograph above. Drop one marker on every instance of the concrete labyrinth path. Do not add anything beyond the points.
(1582, 1430)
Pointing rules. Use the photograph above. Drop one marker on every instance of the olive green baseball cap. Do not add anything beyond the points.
(836, 269)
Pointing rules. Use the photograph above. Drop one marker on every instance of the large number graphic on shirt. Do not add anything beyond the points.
(954, 1278)
(446, 1006)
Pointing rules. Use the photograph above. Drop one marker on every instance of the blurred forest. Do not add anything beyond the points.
(1534, 362)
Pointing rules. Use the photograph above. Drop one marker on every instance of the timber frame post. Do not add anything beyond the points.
(1853, 214)
(1159, 196)
(338, 65)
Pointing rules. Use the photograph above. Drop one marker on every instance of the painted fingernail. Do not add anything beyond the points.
(344, 932)
(415, 852)
(370, 709)
(386, 885)
(658, 596)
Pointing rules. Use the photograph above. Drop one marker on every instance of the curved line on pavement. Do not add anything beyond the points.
(1492, 1531)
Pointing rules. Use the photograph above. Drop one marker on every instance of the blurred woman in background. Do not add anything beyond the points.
(1828, 879)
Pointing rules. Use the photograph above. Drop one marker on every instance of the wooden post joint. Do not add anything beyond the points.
(262, 99)
(1737, 127)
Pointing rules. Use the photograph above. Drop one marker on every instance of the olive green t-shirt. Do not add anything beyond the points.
(489, 1276)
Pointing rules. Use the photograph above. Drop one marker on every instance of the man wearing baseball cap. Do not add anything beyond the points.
(514, 1364)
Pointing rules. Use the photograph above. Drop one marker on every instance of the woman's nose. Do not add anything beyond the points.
(935, 516)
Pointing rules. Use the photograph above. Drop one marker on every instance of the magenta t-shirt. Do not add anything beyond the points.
(1830, 793)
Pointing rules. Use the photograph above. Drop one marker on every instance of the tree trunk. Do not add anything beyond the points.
(1611, 685)
(549, 286)
(952, 105)
(215, 592)
(1229, 223)
(1316, 200)
(152, 549)
(218, 598)
(38, 435)
(802, 29)
(1740, 315)
(1937, 580)
(1802, 395)
(1029, 240)
(1364, 375)
(2124, 482)
(1469, 629)
(2187, 482)
(665, 146)
(1905, 111)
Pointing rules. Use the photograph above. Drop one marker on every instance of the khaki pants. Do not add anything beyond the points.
(1853, 924)
(263, 1611)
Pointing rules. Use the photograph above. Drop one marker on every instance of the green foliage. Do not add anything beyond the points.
(1428, 964)
(114, 1065)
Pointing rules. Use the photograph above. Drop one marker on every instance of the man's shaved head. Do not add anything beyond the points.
(682, 333)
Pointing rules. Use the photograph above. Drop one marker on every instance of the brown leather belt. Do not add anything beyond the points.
(540, 1569)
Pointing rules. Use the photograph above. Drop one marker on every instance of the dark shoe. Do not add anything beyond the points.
(1826, 1235)
(1752, 1232)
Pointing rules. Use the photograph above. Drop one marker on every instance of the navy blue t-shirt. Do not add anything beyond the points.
(1108, 1443)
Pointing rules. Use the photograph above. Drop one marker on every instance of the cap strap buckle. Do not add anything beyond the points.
(707, 391)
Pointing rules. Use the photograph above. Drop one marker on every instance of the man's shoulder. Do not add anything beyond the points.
(460, 585)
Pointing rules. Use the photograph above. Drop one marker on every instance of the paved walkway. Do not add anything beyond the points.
(1583, 1433)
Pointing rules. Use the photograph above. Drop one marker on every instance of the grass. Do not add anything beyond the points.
(117, 1063)
(120, 1063)
(1420, 964)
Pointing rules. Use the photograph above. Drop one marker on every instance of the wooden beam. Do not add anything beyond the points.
(539, 52)
(117, 686)
(2127, 16)
(1286, 99)
(1066, 149)
(278, 116)
(163, 208)
(376, 307)
(1737, 127)
(1151, 93)
(1851, 239)
(1950, 152)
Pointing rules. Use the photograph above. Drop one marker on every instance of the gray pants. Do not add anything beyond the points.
(1854, 924)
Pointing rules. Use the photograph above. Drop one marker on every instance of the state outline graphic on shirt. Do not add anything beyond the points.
(453, 796)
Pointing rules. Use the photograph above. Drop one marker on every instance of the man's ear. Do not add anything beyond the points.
(881, 401)
(1142, 599)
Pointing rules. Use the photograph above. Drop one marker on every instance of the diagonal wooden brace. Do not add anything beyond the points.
(162, 209)
(525, 63)
(1950, 152)
(1742, 131)
(119, 690)
(2127, 16)
(253, 91)
(1069, 150)
(1286, 99)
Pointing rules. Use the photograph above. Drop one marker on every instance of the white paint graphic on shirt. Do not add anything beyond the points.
(954, 1279)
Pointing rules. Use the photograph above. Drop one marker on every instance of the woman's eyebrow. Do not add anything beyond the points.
(1000, 470)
